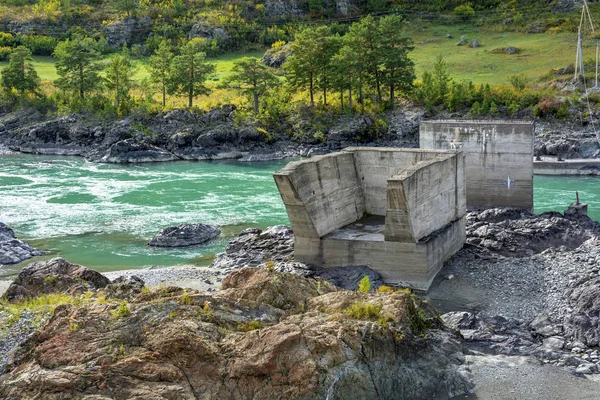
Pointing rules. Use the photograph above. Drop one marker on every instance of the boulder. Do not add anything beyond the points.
(511, 50)
(268, 335)
(474, 44)
(184, 235)
(13, 250)
(132, 151)
(53, 276)
(276, 57)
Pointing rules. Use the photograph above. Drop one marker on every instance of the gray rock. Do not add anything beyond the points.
(349, 277)
(13, 250)
(474, 44)
(53, 276)
(511, 50)
(184, 235)
(276, 57)
(132, 151)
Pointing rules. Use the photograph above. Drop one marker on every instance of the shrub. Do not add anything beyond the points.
(185, 299)
(547, 107)
(38, 44)
(364, 286)
(5, 52)
(465, 11)
(249, 326)
(518, 81)
(361, 310)
(6, 39)
(121, 311)
(385, 289)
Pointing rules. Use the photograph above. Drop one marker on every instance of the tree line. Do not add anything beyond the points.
(370, 60)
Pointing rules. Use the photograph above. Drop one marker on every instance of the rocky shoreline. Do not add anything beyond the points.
(524, 286)
(187, 135)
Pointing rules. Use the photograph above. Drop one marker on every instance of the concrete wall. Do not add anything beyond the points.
(421, 194)
(408, 264)
(424, 198)
(499, 158)
(321, 194)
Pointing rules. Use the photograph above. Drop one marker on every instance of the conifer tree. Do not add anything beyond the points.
(76, 65)
(253, 78)
(160, 67)
(190, 72)
(20, 73)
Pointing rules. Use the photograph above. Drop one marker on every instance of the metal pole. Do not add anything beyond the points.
(596, 85)
(581, 71)
(577, 54)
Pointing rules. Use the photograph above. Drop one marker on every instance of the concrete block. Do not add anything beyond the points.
(400, 211)
(498, 156)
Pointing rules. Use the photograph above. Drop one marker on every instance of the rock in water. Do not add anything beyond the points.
(13, 250)
(184, 235)
(54, 276)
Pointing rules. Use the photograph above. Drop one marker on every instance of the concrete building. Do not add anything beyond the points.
(400, 211)
(499, 158)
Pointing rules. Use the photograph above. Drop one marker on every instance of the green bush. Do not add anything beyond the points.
(38, 44)
(5, 52)
(361, 310)
(6, 39)
(364, 286)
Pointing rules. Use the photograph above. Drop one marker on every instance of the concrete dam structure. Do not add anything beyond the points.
(499, 158)
(400, 211)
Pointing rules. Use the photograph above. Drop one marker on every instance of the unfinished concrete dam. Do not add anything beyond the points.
(400, 211)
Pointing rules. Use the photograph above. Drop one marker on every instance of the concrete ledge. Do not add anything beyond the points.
(567, 167)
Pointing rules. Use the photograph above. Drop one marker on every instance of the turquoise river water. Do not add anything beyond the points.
(102, 215)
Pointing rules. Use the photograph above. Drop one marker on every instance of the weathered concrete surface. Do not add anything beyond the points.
(414, 202)
(499, 154)
(550, 166)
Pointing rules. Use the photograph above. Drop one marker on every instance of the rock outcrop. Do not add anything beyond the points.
(253, 248)
(184, 235)
(267, 335)
(518, 233)
(13, 250)
(54, 276)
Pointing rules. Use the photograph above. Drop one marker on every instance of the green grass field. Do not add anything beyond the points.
(224, 64)
(539, 53)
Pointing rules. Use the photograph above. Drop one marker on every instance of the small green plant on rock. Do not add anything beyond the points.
(185, 299)
(364, 286)
(362, 310)
(121, 311)
(270, 266)
(249, 326)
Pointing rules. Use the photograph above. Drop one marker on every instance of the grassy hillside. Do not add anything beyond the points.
(539, 53)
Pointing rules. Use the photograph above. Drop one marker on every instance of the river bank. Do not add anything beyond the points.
(520, 295)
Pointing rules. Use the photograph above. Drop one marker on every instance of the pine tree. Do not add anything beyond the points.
(398, 71)
(306, 63)
(118, 77)
(160, 67)
(20, 73)
(76, 65)
(190, 72)
(253, 78)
